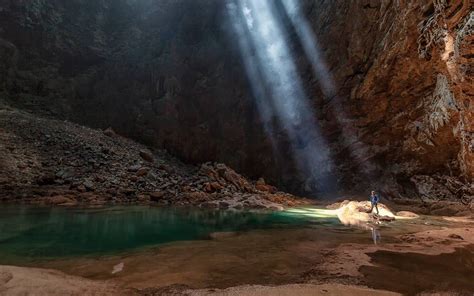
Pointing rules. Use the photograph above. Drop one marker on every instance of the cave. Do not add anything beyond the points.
(149, 107)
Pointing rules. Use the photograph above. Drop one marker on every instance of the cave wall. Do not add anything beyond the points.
(149, 69)
(168, 73)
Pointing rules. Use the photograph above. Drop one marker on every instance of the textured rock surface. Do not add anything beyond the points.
(173, 79)
(60, 163)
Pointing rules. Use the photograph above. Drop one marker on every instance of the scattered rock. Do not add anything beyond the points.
(216, 186)
(208, 187)
(81, 188)
(134, 168)
(447, 208)
(46, 180)
(109, 132)
(156, 196)
(143, 198)
(58, 200)
(456, 236)
(142, 171)
(407, 214)
(265, 188)
(385, 218)
(89, 185)
(66, 173)
(147, 156)
(96, 169)
(118, 268)
(224, 204)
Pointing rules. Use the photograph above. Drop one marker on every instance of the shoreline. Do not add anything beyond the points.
(35, 281)
(331, 267)
(347, 280)
(432, 208)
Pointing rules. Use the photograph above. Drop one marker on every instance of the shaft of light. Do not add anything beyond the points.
(277, 86)
(313, 52)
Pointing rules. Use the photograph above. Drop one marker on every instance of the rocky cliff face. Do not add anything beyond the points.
(413, 98)
(169, 74)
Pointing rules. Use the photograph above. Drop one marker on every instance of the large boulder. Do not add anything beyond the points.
(356, 213)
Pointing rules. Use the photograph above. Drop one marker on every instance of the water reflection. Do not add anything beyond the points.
(52, 232)
(28, 232)
(375, 235)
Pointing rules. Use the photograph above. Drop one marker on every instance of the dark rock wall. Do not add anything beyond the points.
(169, 74)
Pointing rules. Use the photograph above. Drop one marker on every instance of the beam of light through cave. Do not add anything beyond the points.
(308, 39)
(257, 82)
(277, 87)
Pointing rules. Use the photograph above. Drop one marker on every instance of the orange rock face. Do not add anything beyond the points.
(404, 73)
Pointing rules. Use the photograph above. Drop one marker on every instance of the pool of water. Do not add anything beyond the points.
(145, 247)
(43, 232)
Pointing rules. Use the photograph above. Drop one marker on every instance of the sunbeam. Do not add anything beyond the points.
(278, 89)
(311, 48)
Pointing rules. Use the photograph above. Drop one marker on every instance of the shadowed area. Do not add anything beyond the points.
(411, 273)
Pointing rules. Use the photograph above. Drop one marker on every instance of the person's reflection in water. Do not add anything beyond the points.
(375, 235)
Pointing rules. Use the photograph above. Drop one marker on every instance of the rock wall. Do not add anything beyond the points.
(169, 74)
(416, 95)
(164, 72)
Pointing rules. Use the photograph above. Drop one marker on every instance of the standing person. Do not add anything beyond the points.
(374, 200)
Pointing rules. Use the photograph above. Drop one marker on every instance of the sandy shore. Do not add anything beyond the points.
(297, 289)
(34, 281)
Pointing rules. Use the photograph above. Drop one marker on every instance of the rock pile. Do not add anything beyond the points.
(57, 162)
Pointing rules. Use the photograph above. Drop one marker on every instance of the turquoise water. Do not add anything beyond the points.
(31, 232)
